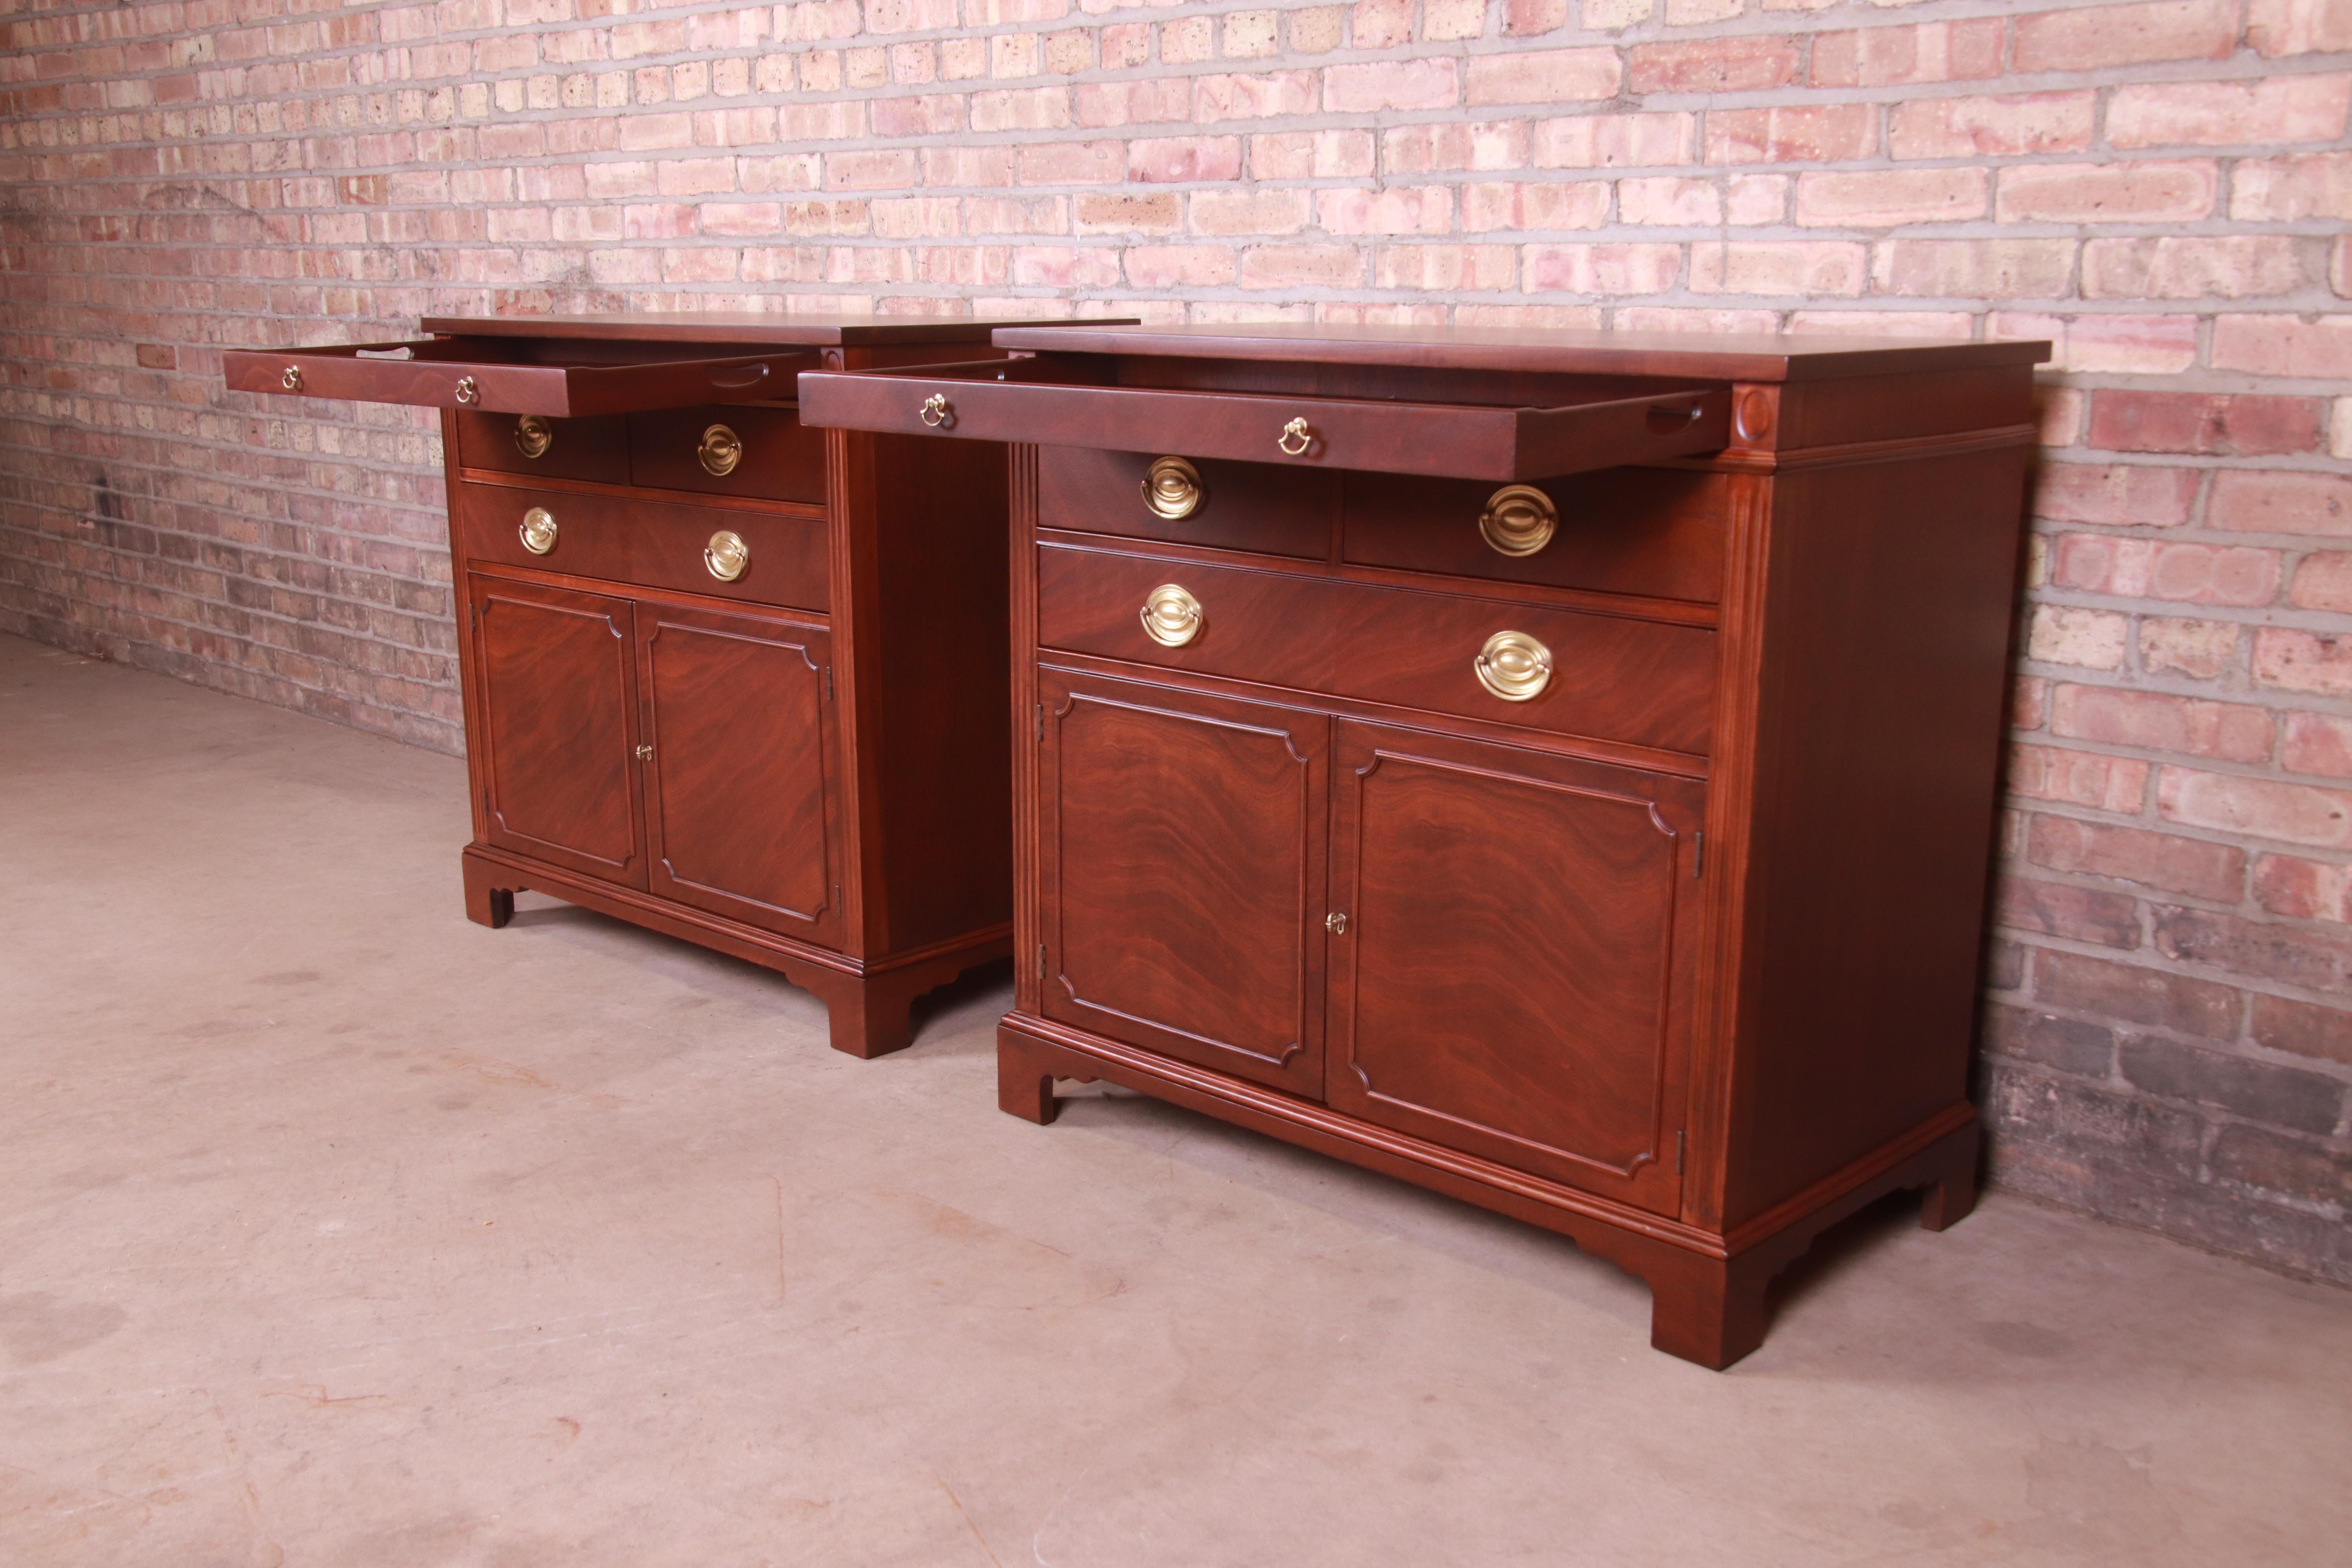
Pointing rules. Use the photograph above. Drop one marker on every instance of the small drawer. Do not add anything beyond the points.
(1228, 505)
(1646, 683)
(729, 449)
(595, 448)
(646, 544)
(1657, 532)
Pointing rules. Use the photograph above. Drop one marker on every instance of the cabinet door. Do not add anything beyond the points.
(741, 814)
(1181, 858)
(1515, 975)
(557, 697)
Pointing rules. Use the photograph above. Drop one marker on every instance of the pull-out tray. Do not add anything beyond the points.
(1068, 401)
(493, 376)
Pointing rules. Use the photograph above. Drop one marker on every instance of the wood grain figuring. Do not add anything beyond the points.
(782, 459)
(1617, 678)
(1184, 875)
(1516, 977)
(593, 449)
(558, 700)
(489, 376)
(743, 769)
(1655, 532)
(1259, 507)
(628, 539)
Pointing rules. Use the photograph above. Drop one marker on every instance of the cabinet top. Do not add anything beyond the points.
(725, 327)
(1702, 355)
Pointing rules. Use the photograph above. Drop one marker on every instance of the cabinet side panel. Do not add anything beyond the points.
(942, 748)
(1886, 632)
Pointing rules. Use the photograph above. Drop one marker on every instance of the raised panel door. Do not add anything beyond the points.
(1515, 978)
(1182, 861)
(741, 806)
(558, 695)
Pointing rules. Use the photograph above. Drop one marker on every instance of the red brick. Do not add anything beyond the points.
(2135, 995)
(2233, 267)
(1527, 18)
(1896, 56)
(2276, 28)
(2205, 423)
(2197, 867)
(2284, 346)
(2317, 960)
(2303, 889)
(2293, 660)
(2156, 721)
(2148, 191)
(2078, 778)
(1882, 198)
(1184, 159)
(2200, 649)
(2323, 582)
(2160, 569)
(2281, 501)
(1794, 133)
(1736, 64)
(1990, 127)
(1401, 84)
(2262, 808)
(2101, 36)
(2317, 743)
(2278, 190)
(1602, 268)
(1974, 268)
(2135, 494)
(2229, 113)
(2305, 1029)
(2061, 909)
(1544, 77)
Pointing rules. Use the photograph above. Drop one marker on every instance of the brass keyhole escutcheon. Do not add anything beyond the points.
(468, 390)
(727, 556)
(538, 531)
(1171, 618)
(292, 380)
(533, 436)
(1513, 667)
(1173, 489)
(1519, 520)
(1335, 923)
(645, 753)
(935, 411)
(720, 451)
(1296, 431)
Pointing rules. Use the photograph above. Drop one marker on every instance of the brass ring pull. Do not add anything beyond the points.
(1173, 489)
(468, 390)
(533, 436)
(1519, 520)
(1296, 430)
(292, 380)
(727, 556)
(1171, 618)
(1513, 667)
(935, 411)
(720, 451)
(538, 531)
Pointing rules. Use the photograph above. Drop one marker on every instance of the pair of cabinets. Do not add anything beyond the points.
(1489, 947)
(651, 744)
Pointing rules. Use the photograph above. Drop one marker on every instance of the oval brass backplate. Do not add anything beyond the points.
(1173, 489)
(533, 436)
(1171, 618)
(1514, 666)
(720, 451)
(727, 556)
(1519, 520)
(538, 531)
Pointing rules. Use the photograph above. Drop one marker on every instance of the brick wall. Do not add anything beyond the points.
(2162, 188)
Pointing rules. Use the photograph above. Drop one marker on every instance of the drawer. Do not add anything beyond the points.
(1653, 531)
(1233, 506)
(1613, 678)
(729, 451)
(646, 543)
(594, 448)
(517, 374)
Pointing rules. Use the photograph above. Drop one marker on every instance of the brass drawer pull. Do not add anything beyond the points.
(292, 380)
(1296, 430)
(1335, 923)
(935, 411)
(538, 531)
(1513, 667)
(1173, 489)
(1171, 618)
(720, 451)
(468, 390)
(533, 436)
(645, 753)
(727, 556)
(1519, 520)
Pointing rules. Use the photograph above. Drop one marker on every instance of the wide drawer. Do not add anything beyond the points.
(1064, 400)
(595, 448)
(1611, 677)
(765, 453)
(1231, 506)
(648, 543)
(1656, 533)
(512, 375)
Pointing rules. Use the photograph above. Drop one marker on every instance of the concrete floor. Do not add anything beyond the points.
(335, 1230)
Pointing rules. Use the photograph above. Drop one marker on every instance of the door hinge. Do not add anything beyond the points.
(1698, 855)
(486, 799)
(828, 683)
(837, 895)
(1041, 721)
(1682, 1145)
(476, 610)
(1041, 960)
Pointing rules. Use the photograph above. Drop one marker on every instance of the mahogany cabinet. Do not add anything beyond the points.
(727, 675)
(1558, 770)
